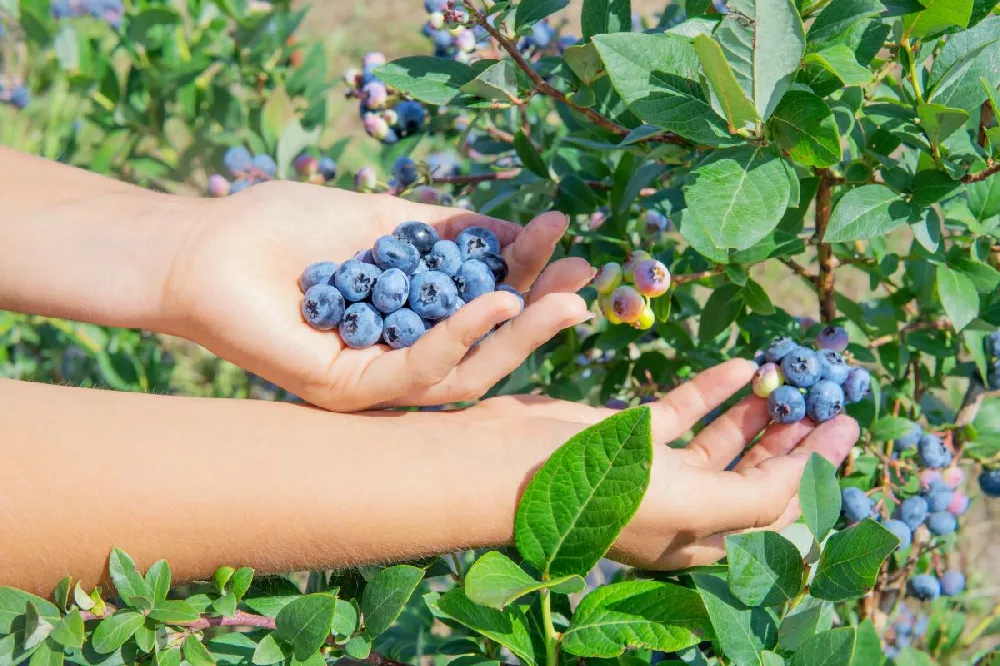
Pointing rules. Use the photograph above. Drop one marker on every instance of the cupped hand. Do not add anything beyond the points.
(693, 502)
(233, 289)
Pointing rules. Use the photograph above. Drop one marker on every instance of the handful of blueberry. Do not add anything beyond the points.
(407, 283)
(799, 382)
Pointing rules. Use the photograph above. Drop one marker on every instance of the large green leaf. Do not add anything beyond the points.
(115, 629)
(939, 122)
(765, 568)
(739, 111)
(127, 579)
(428, 79)
(636, 614)
(763, 41)
(722, 308)
(931, 186)
(866, 212)
(967, 56)
(851, 561)
(508, 627)
(819, 495)
(741, 631)
(938, 16)
(602, 17)
(804, 126)
(829, 648)
(386, 594)
(738, 194)
(868, 646)
(808, 618)
(495, 580)
(841, 61)
(984, 197)
(531, 12)
(305, 623)
(12, 605)
(577, 503)
(838, 17)
(958, 296)
(657, 77)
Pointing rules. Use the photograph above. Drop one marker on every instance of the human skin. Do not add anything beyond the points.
(280, 487)
(223, 273)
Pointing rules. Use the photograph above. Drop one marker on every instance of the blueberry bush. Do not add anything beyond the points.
(813, 183)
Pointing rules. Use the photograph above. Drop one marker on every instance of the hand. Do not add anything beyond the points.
(233, 289)
(692, 502)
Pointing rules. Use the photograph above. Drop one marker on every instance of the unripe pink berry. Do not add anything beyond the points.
(959, 503)
(651, 278)
(607, 310)
(767, 378)
(634, 260)
(373, 59)
(608, 278)
(351, 77)
(628, 304)
(953, 476)
(465, 41)
(390, 116)
(646, 319)
(425, 194)
(306, 165)
(374, 95)
(436, 20)
(376, 126)
(218, 186)
(365, 179)
(929, 476)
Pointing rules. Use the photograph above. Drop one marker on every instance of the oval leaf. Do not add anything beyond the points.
(386, 594)
(851, 561)
(866, 212)
(765, 569)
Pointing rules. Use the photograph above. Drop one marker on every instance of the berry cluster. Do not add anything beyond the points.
(908, 627)
(19, 96)
(246, 169)
(109, 11)
(626, 291)
(364, 297)
(799, 382)
(386, 114)
(446, 28)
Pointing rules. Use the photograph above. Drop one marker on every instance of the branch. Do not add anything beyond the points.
(827, 264)
(982, 175)
(684, 278)
(799, 270)
(938, 325)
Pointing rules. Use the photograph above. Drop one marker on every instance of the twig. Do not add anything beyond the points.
(827, 264)
(684, 278)
(939, 325)
(982, 175)
(799, 269)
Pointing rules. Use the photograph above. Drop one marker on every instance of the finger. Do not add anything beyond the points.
(716, 446)
(432, 359)
(780, 439)
(532, 249)
(563, 276)
(680, 409)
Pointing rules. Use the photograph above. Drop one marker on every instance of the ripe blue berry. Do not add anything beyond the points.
(913, 512)
(786, 404)
(361, 326)
(475, 241)
(941, 523)
(902, 532)
(418, 234)
(497, 265)
(952, 583)
(405, 171)
(238, 160)
(365, 257)
(933, 452)
(319, 273)
(992, 344)
(391, 252)
(323, 307)
(355, 280)
(474, 279)
(403, 328)
(327, 168)
(989, 482)
(801, 367)
(616, 403)
(20, 97)
(834, 367)
(778, 349)
(925, 587)
(855, 504)
(938, 496)
(390, 291)
(433, 295)
(832, 337)
(910, 439)
(444, 257)
(510, 290)
(993, 375)
(411, 117)
(239, 185)
(265, 165)
(824, 401)
(857, 385)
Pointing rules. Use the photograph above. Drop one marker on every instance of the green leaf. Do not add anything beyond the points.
(195, 653)
(868, 646)
(866, 212)
(738, 194)
(358, 647)
(958, 296)
(804, 126)
(305, 623)
(742, 632)
(61, 594)
(585, 62)
(47, 654)
(828, 648)
(508, 627)
(529, 155)
(931, 186)
(275, 116)
(158, 579)
(765, 568)
(757, 299)
(140, 24)
(386, 594)
(173, 612)
(270, 651)
(738, 109)
(603, 17)
(115, 629)
(578, 502)
(293, 140)
(984, 197)
(636, 614)
(841, 61)
(127, 579)
(36, 629)
(693, 231)
(495, 580)
(838, 17)
(937, 16)
(940, 122)
(428, 79)
(498, 81)
(13, 603)
(240, 582)
(763, 41)
(966, 60)
(345, 618)
(69, 631)
(530, 12)
(806, 620)
(657, 77)
(851, 561)
(819, 495)
(721, 310)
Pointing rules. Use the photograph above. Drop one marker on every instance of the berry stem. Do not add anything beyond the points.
(827, 264)
(551, 637)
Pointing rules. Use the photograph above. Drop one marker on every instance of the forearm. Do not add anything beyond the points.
(81, 246)
(203, 483)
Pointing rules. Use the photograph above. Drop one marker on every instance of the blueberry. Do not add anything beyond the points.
(993, 375)
(322, 307)
(475, 241)
(832, 337)
(857, 385)
(933, 452)
(992, 344)
(355, 279)
(421, 267)
(444, 257)
(418, 234)
(952, 583)
(327, 168)
(834, 367)
(20, 97)
(941, 523)
(319, 273)
(510, 290)
(265, 165)
(616, 403)
(938, 496)
(959, 503)
(433, 295)
(239, 185)
(913, 512)
(855, 504)
(391, 252)
(786, 405)
(910, 439)
(390, 291)
(405, 171)
(989, 482)
(365, 257)
(474, 279)
(766, 380)
(778, 349)
(925, 587)
(824, 401)
(608, 278)
(361, 326)
(801, 367)
(403, 328)
(238, 160)
(902, 532)
(497, 265)
(411, 117)
(218, 186)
